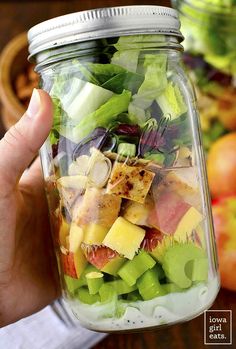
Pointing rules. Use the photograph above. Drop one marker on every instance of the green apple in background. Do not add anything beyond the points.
(224, 216)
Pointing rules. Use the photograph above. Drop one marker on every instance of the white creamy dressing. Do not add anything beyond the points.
(171, 308)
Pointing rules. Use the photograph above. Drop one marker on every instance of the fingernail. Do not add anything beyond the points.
(34, 105)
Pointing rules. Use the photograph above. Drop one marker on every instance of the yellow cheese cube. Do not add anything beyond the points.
(80, 262)
(124, 237)
(63, 233)
(75, 237)
(190, 221)
(94, 234)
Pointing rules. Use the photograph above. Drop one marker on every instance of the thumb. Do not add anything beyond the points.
(23, 140)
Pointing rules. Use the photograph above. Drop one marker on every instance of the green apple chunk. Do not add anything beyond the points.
(176, 259)
(124, 237)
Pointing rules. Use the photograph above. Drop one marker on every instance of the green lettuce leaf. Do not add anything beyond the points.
(128, 59)
(171, 101)
(104, 72)
(124, 81)
(105, 116)
(155, 81)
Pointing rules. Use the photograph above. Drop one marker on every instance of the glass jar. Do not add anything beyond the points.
(124, 170)
(209, 28)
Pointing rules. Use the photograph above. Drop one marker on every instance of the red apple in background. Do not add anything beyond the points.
(221, 166)
(227, 109)
(224, 216)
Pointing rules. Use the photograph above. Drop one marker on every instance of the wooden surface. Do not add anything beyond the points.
(17, 16)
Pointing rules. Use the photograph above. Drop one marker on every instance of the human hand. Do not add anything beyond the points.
(28, 274)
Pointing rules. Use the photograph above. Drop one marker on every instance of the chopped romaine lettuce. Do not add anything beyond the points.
(104, 116)
(83, 98)
(104, 72)
(154, 80)
(59, 118)
(127, 59)
(171, 101)
(58, 88)
(129, 49)
(137, 114)
(86, 74)
(124, 81)
(139, 41)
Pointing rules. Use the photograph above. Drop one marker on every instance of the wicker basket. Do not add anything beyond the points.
(13, 60)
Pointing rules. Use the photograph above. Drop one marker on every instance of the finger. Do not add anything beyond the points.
(33, 175)
(21, 143)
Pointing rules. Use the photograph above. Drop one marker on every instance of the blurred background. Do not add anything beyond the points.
(209, 27)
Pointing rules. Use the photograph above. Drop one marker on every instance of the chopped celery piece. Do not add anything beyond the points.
(176, 259)
(90, 268)
(159, 251)
(120, 309)
(160, 271)
(197, 269)
(121, 287)
(134, 296)
(127, 149)
(94, 281)
(149, 286)
(113, 266)
(72, 284)
(107, 293)
(134, 268)
(171, 288)
(87, 298)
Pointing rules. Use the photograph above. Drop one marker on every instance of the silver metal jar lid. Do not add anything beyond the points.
(103, 23)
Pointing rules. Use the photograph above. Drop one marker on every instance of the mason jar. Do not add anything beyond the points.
(124, 169)
(209, 28)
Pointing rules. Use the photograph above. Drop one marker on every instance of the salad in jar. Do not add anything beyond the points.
(130, 226)
(209, 28)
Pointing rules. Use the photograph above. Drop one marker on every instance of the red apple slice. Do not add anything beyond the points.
(68, 265)
(168, 212)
